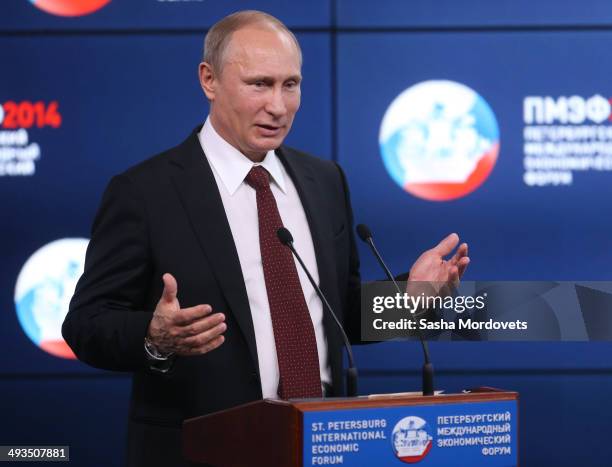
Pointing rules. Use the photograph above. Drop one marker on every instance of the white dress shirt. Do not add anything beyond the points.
(230, 167)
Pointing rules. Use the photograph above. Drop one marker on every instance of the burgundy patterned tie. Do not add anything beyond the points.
(296, 346)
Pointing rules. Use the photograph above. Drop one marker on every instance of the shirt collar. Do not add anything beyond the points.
(231, 165)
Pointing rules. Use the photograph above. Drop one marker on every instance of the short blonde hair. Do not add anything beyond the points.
(219, 35)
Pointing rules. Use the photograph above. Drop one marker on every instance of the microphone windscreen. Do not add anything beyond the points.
(364, 232)
(284, 236)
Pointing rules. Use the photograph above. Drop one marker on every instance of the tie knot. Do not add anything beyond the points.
(258, 178)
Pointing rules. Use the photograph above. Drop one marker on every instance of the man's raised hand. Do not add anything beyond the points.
(184, 331)
(433, 268)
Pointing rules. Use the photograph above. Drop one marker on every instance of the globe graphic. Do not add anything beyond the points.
(411, 439)
(439, 140)
(69, 7)
(43, 291)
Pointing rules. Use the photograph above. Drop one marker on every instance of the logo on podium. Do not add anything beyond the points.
(411, 439)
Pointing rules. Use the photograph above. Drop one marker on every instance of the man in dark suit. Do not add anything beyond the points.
(184, 283)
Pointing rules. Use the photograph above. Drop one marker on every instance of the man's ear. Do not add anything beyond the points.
(208, 80)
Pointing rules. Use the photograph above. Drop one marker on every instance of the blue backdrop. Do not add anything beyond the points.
(123, 81)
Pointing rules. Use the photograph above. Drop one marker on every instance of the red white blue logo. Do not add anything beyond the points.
(411, 439)
(439, 140)
(43, 291)
(69, 7)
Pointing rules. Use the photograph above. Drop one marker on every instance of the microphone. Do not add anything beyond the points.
(286, 239)
(364, 233)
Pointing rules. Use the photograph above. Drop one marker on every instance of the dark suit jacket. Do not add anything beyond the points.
(166, 215)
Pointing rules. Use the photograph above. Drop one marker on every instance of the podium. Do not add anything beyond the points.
(474, 428)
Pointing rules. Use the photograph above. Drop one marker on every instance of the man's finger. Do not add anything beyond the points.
(205, 337)
(201, 324)
(462, 265)
(170, 288)
(194, 351)
(447, 245)
(212, 345)
(461, 252)
(187, 316)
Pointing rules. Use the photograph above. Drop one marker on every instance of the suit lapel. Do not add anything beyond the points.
(194, 181)
(321, 231)
(320, 225)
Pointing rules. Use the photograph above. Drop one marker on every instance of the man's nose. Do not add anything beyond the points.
(276, 103)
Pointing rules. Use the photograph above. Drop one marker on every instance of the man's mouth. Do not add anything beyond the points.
(269, 130)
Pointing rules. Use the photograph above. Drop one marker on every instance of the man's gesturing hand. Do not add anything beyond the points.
(187, 331)
(432, 267)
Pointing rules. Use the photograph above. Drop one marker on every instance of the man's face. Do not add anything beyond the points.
(256, 95)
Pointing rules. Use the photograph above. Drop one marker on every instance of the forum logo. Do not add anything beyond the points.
(18, 121)
(411, 439)
(439, 140)
(43, 291)
(69, 7)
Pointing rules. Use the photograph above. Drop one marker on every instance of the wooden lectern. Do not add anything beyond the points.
(481, 425)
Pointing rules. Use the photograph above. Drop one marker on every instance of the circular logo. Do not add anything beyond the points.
(439, 140)
(411, 439)
(43, 291)
(69, 7)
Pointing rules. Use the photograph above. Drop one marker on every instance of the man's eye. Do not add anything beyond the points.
(259, 84)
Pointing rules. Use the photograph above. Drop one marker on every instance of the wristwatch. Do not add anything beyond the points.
(159, 362)
(153, 353)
